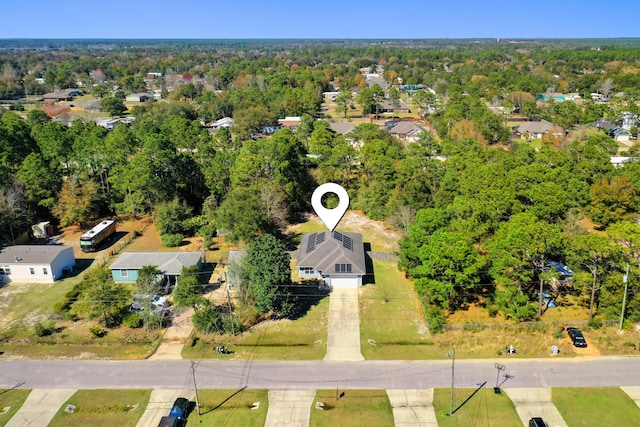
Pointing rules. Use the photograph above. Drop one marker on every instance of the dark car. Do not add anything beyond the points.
(537, 422)
(576, 337)
(169, 422)
(180, 408)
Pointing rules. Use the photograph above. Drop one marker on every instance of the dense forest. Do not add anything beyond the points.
(482, 213)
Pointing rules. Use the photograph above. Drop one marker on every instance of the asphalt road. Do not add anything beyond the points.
(84, 374)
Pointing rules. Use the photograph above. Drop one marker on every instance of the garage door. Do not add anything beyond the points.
(344, 282)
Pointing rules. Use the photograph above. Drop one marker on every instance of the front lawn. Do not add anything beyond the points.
(97, 408)
(485, 408)
(355, 408)
(12, 399)
(595, 406)
(230, 408)
(391, 325)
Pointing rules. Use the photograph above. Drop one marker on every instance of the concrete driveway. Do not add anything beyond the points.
(39, 408)
(413, 408)
(343, 336)
(535, 402)
(289, 408)
(160, 403)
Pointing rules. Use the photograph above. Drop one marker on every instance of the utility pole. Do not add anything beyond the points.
(226, 284)
(195, 387)
(452, 355)
(625, 280)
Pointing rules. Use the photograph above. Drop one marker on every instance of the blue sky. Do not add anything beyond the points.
(320, 19)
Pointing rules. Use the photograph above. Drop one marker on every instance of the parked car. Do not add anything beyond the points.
(180, 408)
(576, 337)
(169, 422)
(537, 422)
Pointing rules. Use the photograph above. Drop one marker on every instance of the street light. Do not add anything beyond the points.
(500, 368)
(452, 355)
(625, 280)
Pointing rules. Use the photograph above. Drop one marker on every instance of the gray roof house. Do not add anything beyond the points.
(35, 263)
(337, 258)
(403, 129)
(535, 129)
(342, 128)
(126, 267)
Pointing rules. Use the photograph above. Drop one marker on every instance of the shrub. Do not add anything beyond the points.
(558, 332)
(133, 320)
(595, 323)
(473, 327)
(435, 319)
(42, 330)
(97, 331)
(171, 240)
(135, 234)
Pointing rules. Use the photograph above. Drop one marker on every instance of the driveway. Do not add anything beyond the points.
(160, 403)
(39, 408)
(413, 408)
(535, 402)
(343, 336)
(289, 408)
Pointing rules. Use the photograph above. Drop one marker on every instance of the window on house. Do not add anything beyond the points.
(45, 271)
(32, 271)
(124, 273)
(307, 270)
(7, 271)
(1, 270)
(343, 268)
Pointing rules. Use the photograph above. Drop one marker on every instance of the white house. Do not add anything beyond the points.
(334, 257)
(35, 263)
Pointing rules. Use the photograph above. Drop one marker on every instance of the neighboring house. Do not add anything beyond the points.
(35, 263)
(386, 106)
(126, 267)
(110, 124)
(342, 128)
(404, 129)
(565, 274)
(619, 161)
(137, 97)
(614, 131)
(334, 257)
(56, 97)
(289, 122)
(225, 122)
(535, 129)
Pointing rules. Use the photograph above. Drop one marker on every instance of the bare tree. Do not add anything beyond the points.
(12, 205)
(606, 87)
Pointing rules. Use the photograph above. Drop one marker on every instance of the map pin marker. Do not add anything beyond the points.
(330, 217)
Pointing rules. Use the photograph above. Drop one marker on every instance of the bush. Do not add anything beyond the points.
(435, 319)
(595, 323)
(42, 330)
(97, 331)
(558, 333)
(171, 240)
(473, 326)
(132, 320)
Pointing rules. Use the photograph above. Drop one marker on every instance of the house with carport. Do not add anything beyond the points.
(35, 263)
(125, 269)
(333, 257)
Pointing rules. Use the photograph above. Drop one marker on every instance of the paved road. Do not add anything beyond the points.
(79, 374)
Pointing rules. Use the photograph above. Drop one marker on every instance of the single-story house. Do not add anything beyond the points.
(565, 274)
(225, 122)
(386, 106)
(614, 131)
(35, 263)
(342, 128)
(290, 122)
(337, 258)
(535, 129)
(56, 97)
(125, 268)
(404, 129)
(137, 97)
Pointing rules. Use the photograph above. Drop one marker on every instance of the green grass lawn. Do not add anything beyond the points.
(97, 408)
(301, 339)
(26, 301)
(356, 408)
(12, 399)
(390, 314)
(485, 408)
(597, 406)
(230, 408)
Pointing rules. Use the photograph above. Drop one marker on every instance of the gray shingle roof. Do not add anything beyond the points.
(535, 127)
(167, 262)
(31, 254)
(323, 250)
(342, 128)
